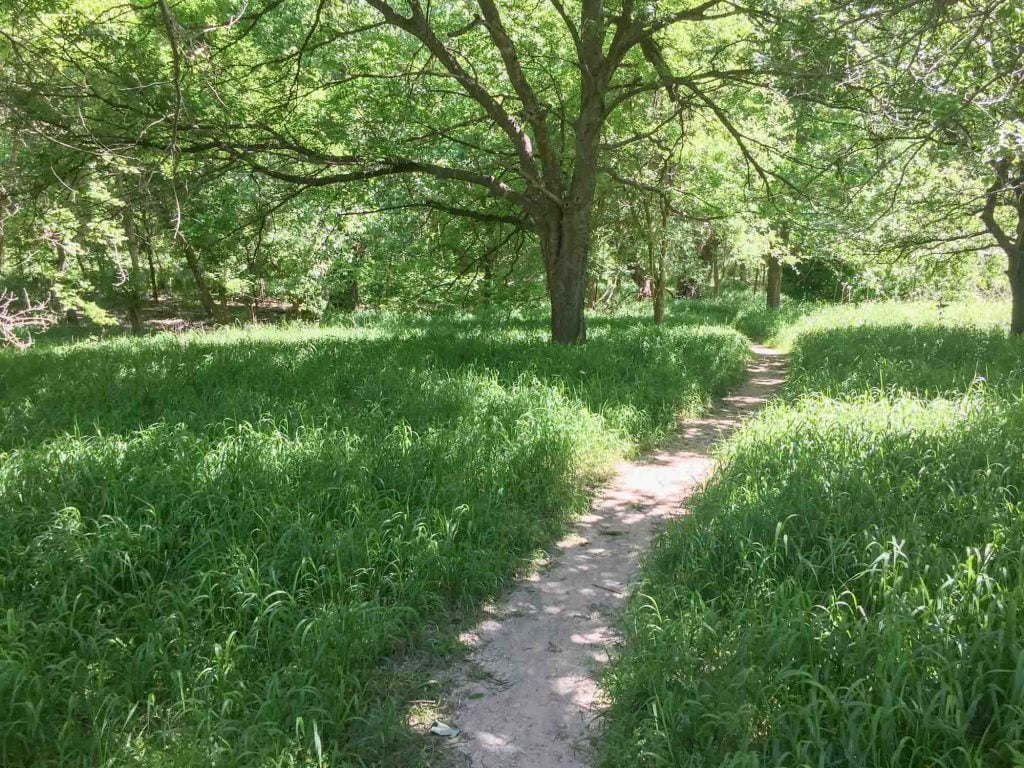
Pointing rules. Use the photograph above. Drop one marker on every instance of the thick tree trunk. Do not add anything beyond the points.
(564, 244)
(567, 284)
(565, 227)
(773, 282)
(1009, 179)
(1015, 272)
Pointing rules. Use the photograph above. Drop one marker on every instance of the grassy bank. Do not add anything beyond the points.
(213, 543)
(846, 591)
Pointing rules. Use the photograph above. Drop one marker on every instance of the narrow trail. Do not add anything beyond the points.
(530, 694)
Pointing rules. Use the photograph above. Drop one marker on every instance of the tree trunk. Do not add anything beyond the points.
(1015, 272)
(661, 263)
(151, 263)
(565, 225)
(564, 244)
(62, 257)
(135, 277)
(567, 285)
(1009, 179)
(716, 277)
(6, 203)
(152, 276)
(773, 282)
(486, 283)
(205, 297)
(659, 300)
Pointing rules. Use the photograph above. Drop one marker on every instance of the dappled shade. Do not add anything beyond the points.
(212, 542)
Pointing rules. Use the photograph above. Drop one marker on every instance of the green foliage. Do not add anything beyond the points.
(846, 590)
(213, 542)
(745, 311)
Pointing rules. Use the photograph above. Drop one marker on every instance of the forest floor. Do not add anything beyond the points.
(529, 692)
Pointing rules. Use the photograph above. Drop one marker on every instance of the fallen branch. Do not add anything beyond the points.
(30, 316)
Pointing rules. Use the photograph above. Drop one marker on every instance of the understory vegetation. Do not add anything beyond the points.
(319, 319)
(846, 590)
(216, 544)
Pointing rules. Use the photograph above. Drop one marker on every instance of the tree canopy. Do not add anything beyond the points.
(305, 148)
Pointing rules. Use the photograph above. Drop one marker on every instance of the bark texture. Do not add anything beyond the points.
(773, 282)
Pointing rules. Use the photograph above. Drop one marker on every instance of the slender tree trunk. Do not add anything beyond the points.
(486, 282)
(205, 297)
(716, 277)
(135, 278)
(659, 298)
(62, 258)
(1015, 271)
(661, 262)
(6, 203)
(773, 282)
(146, 243)
(152, 276)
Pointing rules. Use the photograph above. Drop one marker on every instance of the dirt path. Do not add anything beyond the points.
(530, 693)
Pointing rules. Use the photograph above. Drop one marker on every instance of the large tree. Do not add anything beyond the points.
(498, 112)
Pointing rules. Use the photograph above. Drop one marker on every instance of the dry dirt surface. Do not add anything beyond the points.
(528, 696)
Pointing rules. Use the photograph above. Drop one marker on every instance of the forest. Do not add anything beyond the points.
(373, 369)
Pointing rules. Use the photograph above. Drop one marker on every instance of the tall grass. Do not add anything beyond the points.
(745, 311)
(846, 590)
(213, 543)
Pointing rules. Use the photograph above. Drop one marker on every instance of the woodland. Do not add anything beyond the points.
(326, 325)
(315, 158)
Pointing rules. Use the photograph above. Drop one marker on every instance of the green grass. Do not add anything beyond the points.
(846, 592)
(217, 548)
(745, 311)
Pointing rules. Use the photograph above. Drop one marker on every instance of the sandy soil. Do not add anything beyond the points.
(529, 696)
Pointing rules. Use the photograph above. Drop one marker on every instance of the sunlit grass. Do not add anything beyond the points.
(846, 591)
(211, 543)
